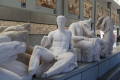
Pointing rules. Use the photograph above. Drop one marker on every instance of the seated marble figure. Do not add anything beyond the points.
(59, 58)
(87, 46)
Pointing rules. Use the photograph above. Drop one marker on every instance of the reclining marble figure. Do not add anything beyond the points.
(86, 45)
(105, 23)
(10, 47)
(59, 58)
(17, 33)
(10, 68)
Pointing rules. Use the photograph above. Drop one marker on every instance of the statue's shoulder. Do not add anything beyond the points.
(75, 23)
(51, 33)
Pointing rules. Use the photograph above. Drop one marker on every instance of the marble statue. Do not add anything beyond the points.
(10, 68)
(13, 66)
(105, 23)
(2, 28)
(24, 27)
(59, 58)
(4, 39)
(87, 46)
(9, 49)
(17, 33)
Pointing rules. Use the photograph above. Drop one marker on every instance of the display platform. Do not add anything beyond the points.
(89, 71)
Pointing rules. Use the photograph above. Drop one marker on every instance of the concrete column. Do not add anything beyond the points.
(118, 12)
(60, 7)
(109, 5)
(94, 22)
(81, 10)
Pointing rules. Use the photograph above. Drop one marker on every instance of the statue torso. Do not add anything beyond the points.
(60, 42)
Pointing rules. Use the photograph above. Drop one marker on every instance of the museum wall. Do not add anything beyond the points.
(42, 14)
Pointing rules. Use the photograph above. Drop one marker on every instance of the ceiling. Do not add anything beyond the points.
(114, 4)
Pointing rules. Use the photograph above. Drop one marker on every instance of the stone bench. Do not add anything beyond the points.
(89, 71)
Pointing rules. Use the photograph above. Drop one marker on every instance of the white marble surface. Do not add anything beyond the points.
(60, 57)
(12, 43)
(83, 38)
(105, 23)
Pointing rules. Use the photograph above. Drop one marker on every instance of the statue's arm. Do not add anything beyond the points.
(99, 21)
(103, 25)
(88, 32)
(74, 37)
(46, 40)
(78, 38)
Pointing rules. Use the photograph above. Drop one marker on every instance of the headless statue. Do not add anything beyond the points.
(105, 23)
(10, 68)
(60, 57)
(86, 45)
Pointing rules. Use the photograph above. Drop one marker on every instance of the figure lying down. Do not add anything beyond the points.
(59, 58)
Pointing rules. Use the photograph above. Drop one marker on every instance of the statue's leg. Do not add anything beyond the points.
(86, 50)
(39, 52)
(8, 75)
(104, 52)
(65, 63)
(96, 48)
(43, 68)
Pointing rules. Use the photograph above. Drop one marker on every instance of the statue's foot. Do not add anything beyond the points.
(44, 75)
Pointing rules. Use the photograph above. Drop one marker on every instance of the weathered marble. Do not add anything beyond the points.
(14, 70)
(12, 40)
(105, 23)
(59, 58)
(4, 39)
(23, 27)
(10, 68)
(86, 44)
(10, 49)
(2, 28)
(16, 35)
(34, 29)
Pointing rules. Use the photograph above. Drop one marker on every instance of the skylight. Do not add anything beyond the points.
(117, 1)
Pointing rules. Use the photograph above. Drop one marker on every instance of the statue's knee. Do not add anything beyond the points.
(70, 55)
(37, 47)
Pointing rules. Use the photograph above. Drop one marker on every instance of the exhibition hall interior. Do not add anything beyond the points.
(59, 39)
